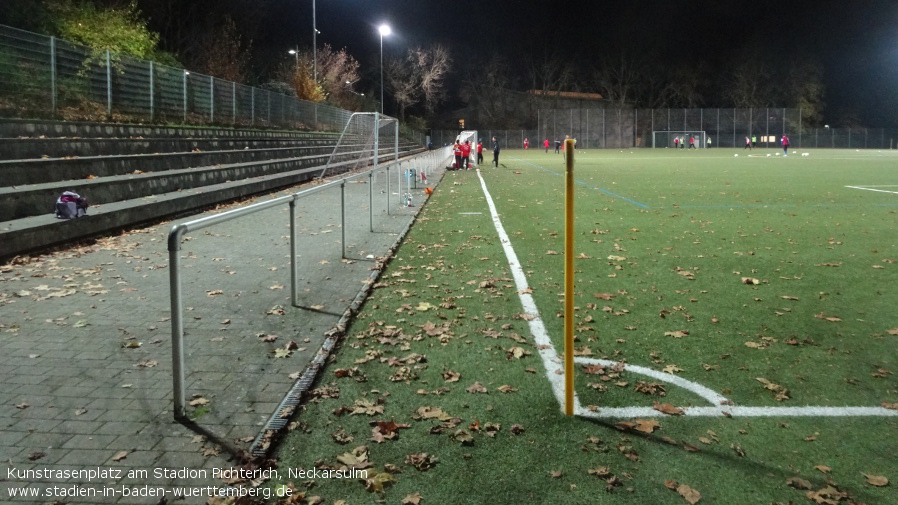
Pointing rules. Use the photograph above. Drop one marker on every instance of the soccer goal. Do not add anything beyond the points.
(665, 138)
(472, 136)
(366, 139)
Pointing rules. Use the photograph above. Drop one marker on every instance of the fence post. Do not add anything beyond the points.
(371, 201)
(234, 103)
(108, 84)
(211, 99)
(152, 98)
(53, 90)
(186, 73)
(252, 106)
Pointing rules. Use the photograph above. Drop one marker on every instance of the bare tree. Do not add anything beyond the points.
(486, 91)
(420, 75)
(434, 64)
(624, 78)
(225, 55)
(337, 71)
(551, 72)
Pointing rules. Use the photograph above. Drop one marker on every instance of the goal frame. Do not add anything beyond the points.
(361, 140)
(665, 138)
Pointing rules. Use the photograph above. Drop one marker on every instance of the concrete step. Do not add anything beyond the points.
(12, 128)
(37, 148)
(36, 199)
(36, 171)
(35, 233)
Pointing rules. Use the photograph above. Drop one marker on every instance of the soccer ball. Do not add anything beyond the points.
(736, 155)
(768, 155)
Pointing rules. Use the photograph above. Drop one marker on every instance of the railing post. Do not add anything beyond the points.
(371, 201)
(343, 217)
(234, 103)
(389, 189)
(177, 325)
(293, 274)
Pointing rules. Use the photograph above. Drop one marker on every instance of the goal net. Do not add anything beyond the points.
(679, 139)
(369, 138)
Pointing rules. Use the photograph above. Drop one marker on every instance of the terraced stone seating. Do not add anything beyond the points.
(134, 174)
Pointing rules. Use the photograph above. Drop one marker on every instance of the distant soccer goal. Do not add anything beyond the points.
(366, 138)
(679, 139)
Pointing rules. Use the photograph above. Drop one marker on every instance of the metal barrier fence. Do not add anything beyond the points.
(424, 164)
(44, 77)
(627, 128)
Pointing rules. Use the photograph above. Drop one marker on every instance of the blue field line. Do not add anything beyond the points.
(590, 186)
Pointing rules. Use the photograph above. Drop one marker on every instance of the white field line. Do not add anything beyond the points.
(553, 363)
(870, 188)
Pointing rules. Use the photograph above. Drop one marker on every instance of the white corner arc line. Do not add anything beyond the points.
(707, 393)
(555, 368)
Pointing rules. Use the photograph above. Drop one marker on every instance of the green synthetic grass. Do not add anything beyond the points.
(664, 239)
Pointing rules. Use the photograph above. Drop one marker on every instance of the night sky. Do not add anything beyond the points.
(855, 41)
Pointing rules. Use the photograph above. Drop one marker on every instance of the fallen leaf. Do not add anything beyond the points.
(668, 408)
(412, 499)
(451, 376)
(647, 426)
(421, 461)
(876, 480)
(798, 483)
(690, 495)
(120, 456)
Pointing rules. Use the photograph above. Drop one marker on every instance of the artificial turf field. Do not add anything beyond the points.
(758, 289)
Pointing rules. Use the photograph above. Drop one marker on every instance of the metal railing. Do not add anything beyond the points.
(421, 164)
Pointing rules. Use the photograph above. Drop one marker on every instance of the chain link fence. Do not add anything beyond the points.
(43, 77)
(616, 128)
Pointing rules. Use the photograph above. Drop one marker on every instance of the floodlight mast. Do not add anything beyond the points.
(384, 30)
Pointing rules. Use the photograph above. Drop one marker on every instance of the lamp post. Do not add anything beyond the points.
(295, 53)
(384, 30)
(314, 45)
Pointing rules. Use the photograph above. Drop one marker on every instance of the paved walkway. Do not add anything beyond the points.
(85, 346)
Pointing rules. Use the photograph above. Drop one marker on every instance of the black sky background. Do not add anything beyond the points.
(855, 41)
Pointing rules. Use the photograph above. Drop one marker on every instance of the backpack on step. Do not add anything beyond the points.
(70, 205)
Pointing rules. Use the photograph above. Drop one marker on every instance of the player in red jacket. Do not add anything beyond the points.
(526, 143)
(479, 152)
(457, 152)
(546, 145)
(466, 155)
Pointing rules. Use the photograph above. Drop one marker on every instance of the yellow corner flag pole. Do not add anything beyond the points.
(569, 277)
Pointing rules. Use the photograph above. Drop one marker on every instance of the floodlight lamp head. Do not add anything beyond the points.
(384, 30)
(292, 51)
